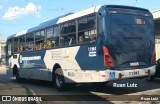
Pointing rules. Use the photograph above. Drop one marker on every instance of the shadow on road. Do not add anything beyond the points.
(142, 85)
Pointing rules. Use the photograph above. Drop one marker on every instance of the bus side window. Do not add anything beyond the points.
(50, 43)
(15, 45)
(52, 37)
(90, 36)
(68, 40)
(72, 39)
(29, 42)
(39, 40)
(68, 34)
(21, 43)
(87, 29)
(81, 39)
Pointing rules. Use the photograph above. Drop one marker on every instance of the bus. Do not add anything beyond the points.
(96, 45)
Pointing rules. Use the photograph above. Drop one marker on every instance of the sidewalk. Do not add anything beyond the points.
(13, 89)
(9, 87)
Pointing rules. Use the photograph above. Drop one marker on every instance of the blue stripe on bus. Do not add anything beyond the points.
(87, 61)
(39, 63)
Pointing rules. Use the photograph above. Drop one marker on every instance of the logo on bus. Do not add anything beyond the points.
(66, 53)
(92, 51)
(31, 58)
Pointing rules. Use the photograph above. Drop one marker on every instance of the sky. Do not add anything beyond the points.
(20, 15)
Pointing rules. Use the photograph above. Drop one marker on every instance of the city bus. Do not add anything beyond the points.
(96, 45)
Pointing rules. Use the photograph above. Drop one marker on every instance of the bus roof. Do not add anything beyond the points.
(79, 14)
(11, 36)
(67, 17)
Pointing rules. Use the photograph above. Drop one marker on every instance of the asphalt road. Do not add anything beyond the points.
(96, 94)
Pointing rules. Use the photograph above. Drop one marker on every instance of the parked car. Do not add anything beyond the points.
(157, 74)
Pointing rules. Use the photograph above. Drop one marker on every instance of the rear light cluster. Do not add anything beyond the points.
(121, 75)
(112, 11)
(108, 60)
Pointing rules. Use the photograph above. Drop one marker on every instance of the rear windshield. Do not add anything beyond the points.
(131, 24)
(131, 31)
(125, 19)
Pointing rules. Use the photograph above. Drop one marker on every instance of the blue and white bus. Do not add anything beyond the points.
(96, 45)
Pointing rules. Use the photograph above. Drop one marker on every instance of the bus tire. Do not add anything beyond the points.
(59, 80)
(150, 78)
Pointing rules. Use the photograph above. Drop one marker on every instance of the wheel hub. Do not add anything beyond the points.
(59, 80)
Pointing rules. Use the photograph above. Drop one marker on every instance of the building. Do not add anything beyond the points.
(2, 49)
(156, 15)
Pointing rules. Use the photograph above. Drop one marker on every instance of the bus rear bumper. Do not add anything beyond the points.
(124, 74)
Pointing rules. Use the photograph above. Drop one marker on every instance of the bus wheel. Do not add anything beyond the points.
(59, 80)
(150, 78)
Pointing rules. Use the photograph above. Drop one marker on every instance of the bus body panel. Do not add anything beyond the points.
(40, 63)
(71, 69)
(85, 76)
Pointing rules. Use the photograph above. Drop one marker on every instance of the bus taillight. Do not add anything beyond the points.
(108, 60)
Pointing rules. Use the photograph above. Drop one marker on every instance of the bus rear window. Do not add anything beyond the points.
(128, 25)
(139, 21)
(124, 19)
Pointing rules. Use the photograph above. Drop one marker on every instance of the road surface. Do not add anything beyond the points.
(140, 87)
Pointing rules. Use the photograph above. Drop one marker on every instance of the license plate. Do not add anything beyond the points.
(134, 63)
(134, 73)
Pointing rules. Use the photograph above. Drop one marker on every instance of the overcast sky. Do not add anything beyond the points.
(19, 15)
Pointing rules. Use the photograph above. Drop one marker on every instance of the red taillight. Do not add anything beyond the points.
(112, 11)
(108, 60)
(153, 60)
